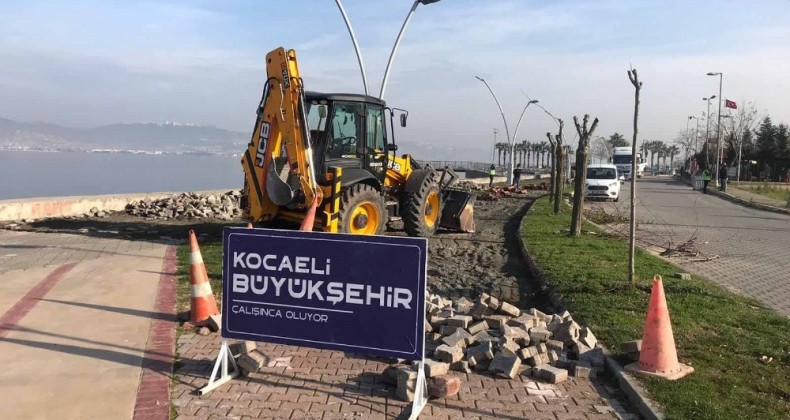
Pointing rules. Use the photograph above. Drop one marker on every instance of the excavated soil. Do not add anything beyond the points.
(489, 260)
(459, 264)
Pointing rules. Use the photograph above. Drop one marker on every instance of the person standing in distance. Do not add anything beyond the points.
(517, 175)
(723, 177)
(491, 175)
(705, 180)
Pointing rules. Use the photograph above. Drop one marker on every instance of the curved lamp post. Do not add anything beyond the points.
(356, 46)
(510, 141)
(397, 43)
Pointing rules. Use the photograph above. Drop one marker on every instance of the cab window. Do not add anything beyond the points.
(346, 124)
(375, 139)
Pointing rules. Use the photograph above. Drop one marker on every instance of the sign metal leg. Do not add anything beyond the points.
(223, 359)
(420, 392)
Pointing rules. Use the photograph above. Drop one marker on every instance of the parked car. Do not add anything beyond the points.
(603, 182)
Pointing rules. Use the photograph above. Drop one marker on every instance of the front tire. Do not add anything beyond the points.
(422, 209)
(362, 211)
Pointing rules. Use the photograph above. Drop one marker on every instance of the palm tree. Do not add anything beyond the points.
(673, 151)
(543, 148)
(501, 147)
(524, 151)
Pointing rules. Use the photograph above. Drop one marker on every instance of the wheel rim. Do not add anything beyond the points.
(364, 219)
(431, 214)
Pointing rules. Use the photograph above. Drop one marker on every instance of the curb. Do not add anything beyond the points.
(741, 201)
(633, 390)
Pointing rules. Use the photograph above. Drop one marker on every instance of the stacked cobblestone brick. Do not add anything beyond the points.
(495, 337)
(189, 206)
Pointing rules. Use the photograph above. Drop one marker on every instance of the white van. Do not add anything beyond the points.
(603, 182)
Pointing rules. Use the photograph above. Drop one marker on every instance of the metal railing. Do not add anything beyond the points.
(464, 166)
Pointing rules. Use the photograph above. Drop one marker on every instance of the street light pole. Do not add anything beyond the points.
(356, 46)
(493, 148)
(397, 43)
(707, 131)
(719, 154)
(507, 131)
(696, 133)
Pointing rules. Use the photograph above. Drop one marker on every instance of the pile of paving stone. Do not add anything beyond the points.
(188, 206)
(494, 337)
(496, 193)
(467, 185)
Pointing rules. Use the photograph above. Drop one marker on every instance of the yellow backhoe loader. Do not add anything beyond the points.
(335, 150)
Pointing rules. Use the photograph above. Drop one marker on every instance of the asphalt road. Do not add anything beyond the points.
(753, 246)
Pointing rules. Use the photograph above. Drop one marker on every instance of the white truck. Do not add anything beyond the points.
(622, 159)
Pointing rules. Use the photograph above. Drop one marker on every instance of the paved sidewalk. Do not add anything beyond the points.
(753, 246)
(755, 198)
(323, 384)
(75, 327)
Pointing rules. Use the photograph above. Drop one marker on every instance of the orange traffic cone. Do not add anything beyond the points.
(309, 217)
(659, 356)
(203, 302)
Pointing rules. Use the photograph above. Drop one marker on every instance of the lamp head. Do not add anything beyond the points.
(713, 74)
(534, 101)
(479, 78)
(428, 1)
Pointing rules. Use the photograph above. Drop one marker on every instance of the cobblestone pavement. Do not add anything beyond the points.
(25, 250)
(753, 246)
(323, 384)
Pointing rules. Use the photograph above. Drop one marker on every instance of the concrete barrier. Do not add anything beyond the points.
(44, 207)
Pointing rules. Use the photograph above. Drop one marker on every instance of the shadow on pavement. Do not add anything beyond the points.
(116, 309)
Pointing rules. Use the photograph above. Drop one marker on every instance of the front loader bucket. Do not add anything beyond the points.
(458, 212)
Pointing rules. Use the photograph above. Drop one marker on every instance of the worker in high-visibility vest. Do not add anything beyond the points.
(705, 180)
(491, 175)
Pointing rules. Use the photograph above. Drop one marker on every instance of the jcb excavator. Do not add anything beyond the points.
(333, 151)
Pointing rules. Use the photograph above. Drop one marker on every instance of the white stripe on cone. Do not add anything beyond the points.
(195, 258)
(201, 289)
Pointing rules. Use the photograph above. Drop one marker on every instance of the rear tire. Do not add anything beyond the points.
(422, 209)
(362, 211)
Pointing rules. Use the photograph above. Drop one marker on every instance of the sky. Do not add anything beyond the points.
(89, 63)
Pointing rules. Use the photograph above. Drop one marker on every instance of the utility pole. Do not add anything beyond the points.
(707, 131)
(719, 149)
(493, 147)
(632, 237)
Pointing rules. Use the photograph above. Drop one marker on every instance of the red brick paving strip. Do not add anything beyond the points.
(12, 316)
(153, 393)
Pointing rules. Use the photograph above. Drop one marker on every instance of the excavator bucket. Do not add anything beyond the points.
(458, 210)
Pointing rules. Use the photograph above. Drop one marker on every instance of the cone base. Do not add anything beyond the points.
(684, 370)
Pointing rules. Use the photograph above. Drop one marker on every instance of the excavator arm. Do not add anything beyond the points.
(278, 162)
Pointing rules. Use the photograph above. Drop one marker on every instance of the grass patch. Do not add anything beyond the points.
(718, 332)
(767, 190)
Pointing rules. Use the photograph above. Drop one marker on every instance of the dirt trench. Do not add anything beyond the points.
(459, 264)
(487, 261)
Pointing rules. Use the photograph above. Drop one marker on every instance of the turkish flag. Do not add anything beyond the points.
(730, 104)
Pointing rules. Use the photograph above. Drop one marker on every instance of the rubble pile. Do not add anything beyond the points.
(496, 193)
(189, 206)
(494, 337)
(467, 186)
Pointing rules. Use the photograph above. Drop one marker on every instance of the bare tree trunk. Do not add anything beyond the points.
(632, 235)
(551, 174)
(581, 172)
(559, 161)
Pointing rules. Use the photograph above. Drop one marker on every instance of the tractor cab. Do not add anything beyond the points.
(349, 131)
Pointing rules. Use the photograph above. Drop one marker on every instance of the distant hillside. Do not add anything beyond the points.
(172, 137)
(177, 138)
